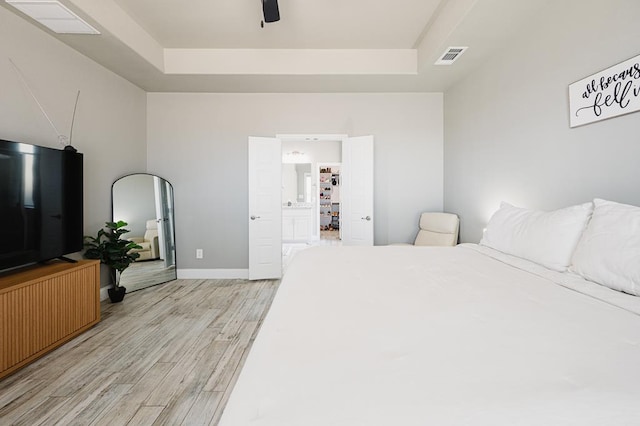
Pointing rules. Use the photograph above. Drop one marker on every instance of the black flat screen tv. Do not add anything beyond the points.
(41, 214)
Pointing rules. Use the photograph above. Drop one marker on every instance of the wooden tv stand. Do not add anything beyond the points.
(42, 307)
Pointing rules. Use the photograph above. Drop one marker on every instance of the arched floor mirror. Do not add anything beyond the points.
(145, 202)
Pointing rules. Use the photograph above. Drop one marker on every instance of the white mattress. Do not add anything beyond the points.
(438, 336)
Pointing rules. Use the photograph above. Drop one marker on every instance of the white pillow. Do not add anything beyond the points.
(609, 251)
(547, 238)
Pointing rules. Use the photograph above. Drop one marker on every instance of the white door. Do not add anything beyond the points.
(265, 208)
(357, 191)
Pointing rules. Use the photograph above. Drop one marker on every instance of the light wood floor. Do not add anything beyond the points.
(167, 355)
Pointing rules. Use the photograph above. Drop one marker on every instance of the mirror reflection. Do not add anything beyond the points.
(296, 183)
(145, 202)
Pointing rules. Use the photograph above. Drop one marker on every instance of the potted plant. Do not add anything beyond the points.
(113, 251)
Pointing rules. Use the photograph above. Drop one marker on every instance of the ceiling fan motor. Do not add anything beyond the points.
(270, 11)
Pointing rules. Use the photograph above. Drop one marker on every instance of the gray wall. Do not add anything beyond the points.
(110, 121)
(507, 134)
(199, 143)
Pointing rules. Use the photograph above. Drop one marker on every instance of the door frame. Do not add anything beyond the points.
(311, 137)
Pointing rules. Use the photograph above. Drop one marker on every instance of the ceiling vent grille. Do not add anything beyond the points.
(53, 15)
(451, 55)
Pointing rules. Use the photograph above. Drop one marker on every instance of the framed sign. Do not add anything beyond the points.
(609, 93)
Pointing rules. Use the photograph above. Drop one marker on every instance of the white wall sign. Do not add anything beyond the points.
(609, 93)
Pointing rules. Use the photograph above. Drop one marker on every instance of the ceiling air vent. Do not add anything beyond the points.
(53, 15)
(450, 55)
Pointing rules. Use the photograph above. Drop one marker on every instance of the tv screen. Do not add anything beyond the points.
(40, 203)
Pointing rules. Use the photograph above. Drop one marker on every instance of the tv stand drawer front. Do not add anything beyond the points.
(44, 307)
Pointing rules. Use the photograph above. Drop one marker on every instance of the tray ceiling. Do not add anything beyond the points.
(317, 46)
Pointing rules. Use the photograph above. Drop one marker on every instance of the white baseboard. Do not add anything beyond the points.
(212, 274)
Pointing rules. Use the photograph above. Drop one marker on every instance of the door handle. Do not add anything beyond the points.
(254, 217)
(366, 218)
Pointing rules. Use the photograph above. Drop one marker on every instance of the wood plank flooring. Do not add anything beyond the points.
(167, 355)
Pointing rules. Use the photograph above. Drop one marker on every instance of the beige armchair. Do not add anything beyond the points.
(438, 229)
(149, 243)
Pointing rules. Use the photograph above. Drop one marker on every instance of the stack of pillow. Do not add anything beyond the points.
(599, 241)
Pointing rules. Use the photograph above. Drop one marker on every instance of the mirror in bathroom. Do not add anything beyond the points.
(296, 183)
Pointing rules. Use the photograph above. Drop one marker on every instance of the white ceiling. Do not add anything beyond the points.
(317, 46)
(305, 24)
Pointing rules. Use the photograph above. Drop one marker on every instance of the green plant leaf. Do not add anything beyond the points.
(109, 248)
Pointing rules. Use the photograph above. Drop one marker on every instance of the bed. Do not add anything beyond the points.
(469, 334)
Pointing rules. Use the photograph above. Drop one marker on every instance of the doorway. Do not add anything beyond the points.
(267, 204)
(310, 201)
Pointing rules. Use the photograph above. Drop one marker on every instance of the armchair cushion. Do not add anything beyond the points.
(149, 243)
(438, 229)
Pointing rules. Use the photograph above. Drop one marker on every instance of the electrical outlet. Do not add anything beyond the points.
(199, 254)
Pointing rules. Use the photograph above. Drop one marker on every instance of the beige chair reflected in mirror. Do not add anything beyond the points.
(438, 229)
(145, 202)
(149, 242)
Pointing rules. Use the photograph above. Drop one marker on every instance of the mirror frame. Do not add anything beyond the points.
(175, 264)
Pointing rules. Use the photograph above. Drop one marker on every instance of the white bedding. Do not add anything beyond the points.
(438, 336)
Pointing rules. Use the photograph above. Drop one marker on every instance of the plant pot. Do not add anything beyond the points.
(117, 294)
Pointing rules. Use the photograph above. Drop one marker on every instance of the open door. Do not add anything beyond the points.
(357, 191)
(265, 208)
